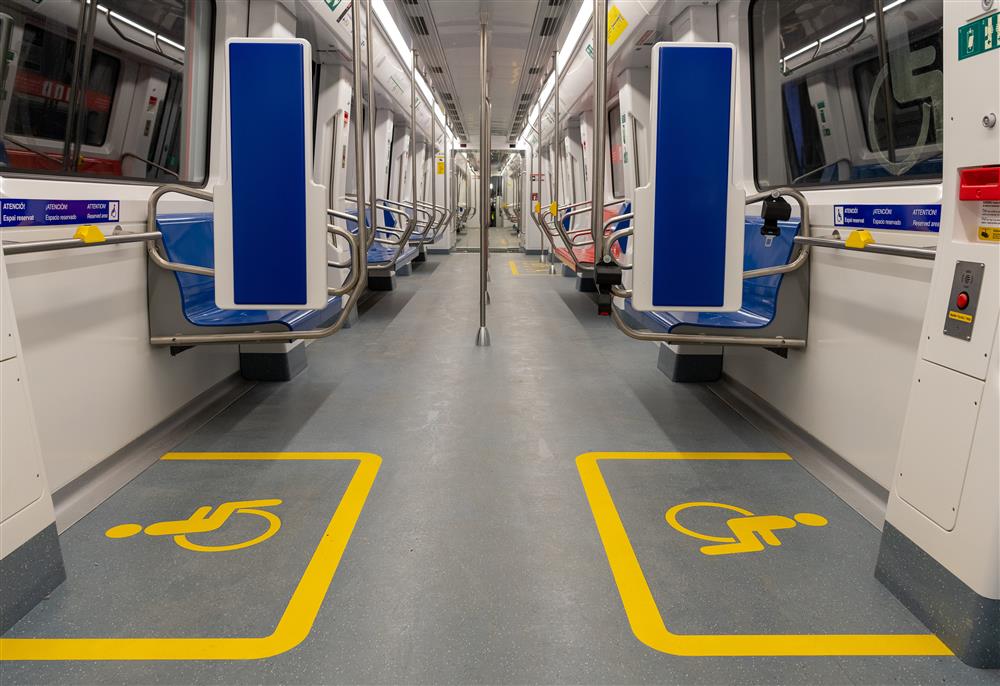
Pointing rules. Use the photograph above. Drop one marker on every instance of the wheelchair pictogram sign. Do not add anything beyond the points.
(203, 520)
(749, 531)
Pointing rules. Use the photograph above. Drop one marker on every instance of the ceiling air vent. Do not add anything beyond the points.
(418, 25)
(553, 3)
(534, 70)
(549, 26)
(437, 70)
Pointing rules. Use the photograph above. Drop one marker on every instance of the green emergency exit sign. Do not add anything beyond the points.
(979, 36)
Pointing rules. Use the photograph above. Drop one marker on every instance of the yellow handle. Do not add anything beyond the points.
(554, 208)
(859, 238)
(89, 233)
(538, 208)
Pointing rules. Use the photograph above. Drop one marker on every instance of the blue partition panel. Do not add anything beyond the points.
(692, 159)
(268, 173)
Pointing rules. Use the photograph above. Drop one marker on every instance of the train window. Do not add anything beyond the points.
(616, 150)
(39, 104)
(112, 104)
(860, 99)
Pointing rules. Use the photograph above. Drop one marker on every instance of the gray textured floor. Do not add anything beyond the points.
(476, 558)
(501, 238)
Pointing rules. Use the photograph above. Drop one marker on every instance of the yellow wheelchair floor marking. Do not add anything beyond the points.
(296, 621)
(204, 521)
(513, 267)
(645, 619)
(745, 529)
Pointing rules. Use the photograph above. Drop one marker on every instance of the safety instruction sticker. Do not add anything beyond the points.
(22, 212)
(440, 165)
(989, 222)
(899, 217)
(616, 24)
(979, 36)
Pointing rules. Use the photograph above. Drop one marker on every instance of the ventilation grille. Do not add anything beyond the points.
(550, 17)
(418, 25)
(418, 17)
(549, 26)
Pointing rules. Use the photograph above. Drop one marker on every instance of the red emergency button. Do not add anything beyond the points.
(962, 300)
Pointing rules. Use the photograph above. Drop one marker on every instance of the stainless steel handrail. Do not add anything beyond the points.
(785, 71)
(600, 125)
(44, 155)
(805, 229)
(876, 248)
(703, 339)
(21, 248)
(483, 333)
(151, 163)
(359, 274)
(157, 50)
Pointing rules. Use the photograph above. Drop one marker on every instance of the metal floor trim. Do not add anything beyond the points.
(851, 485)
(80, 497)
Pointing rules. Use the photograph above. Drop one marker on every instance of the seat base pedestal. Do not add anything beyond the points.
(273, 366)
(385, 281)
(689, 367)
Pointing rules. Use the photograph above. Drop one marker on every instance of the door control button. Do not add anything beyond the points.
(962, 300)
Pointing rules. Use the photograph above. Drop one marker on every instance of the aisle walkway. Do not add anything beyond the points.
(501, 239)
(475, 558)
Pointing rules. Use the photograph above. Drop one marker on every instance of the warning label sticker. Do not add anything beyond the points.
(989, 221)
(616, 24)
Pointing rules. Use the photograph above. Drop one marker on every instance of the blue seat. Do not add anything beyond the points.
(189, 239)
(380, 254)
(760, 295)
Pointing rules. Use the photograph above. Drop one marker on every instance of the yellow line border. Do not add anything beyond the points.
(296, 621)
(646, 621)
(513, 267)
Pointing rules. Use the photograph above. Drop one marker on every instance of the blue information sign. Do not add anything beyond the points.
(22, 212)
(899, 217)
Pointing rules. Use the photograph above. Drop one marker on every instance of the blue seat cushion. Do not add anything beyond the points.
(189, 239)
(760, 295)
(379, 253)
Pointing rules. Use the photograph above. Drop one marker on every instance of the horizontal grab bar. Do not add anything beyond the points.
(898, 250)
(13, 248)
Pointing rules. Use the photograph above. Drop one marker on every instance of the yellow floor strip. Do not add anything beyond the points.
(296, 621)
(644, 616)
(513, 267)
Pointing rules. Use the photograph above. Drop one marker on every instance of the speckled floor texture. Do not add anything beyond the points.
(476, 559)
(501, 238)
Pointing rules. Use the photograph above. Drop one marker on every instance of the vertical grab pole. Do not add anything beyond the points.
(359, 150)
(434, 157)
(483, 337)
(555, 150)
(446, 185)
(545, 237)
(372, 183)
(413, 135)
(600, 127)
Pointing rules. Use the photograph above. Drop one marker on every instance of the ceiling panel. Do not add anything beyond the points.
(523, 34)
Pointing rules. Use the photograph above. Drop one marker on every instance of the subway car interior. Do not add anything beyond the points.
(500, 342)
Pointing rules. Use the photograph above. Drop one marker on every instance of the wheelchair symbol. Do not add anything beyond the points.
(203, 520)
(745, 529)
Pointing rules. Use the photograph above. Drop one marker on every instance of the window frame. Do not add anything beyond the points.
(888, 181)
(29, 16)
